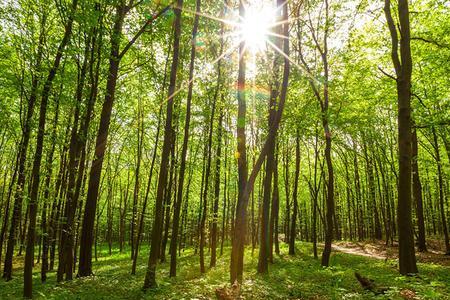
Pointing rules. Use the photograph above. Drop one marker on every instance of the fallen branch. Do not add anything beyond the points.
(369, 285)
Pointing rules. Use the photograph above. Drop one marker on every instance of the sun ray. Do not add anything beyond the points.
(187, 83)
(274, 24)
(277, 35)
(225, 21)
(302, 68)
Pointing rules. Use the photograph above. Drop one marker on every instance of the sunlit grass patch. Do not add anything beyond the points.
(290, 277)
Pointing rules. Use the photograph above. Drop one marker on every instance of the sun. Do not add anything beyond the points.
(256, 26)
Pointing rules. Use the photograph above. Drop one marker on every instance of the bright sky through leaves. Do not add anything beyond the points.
(256, 26)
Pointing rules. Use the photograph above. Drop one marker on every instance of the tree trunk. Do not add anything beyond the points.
(85, 265)
(245, 186)
(207, 175)
(44, 226)
(294, 196)
(35, 176)
(240, 225)
(23, 148)
(441, 191)
(216, 191)
(403, 69)
(150, 276)
(67, 236)
(325, 122)
(274, 213)
(417, 194)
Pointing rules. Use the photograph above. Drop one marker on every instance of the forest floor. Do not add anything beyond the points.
(379, 250)
(290, 277)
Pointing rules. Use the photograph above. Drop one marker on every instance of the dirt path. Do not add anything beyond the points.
(379, 250)
(358, 249)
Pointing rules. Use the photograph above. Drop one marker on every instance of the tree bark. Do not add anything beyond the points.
(441, 191)
(240, 225)
(23, 148)
(150, 276)
(403, 70)
(216, 191)
(294, 196)
(417, 194)
(245, 186)
(44, 225)
(86, 242)
(35, 176)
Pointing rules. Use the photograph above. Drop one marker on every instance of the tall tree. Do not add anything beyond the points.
(417, 193)
(239, 232)
(187, 121)
(216, 191)
(240, 223)
(403, 70)
(441, 190)
(35, 175)
(294, 196)
(321, 93)
(86, 242)
(22, 158)
(264, 246)
(150, 275)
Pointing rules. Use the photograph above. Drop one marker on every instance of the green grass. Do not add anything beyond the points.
(298, 277)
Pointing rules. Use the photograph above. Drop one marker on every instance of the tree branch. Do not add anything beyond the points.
(387, 74)
(394, 36)
(143, 28)
(429, 41)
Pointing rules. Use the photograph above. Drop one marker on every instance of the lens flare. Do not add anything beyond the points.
(256, 26)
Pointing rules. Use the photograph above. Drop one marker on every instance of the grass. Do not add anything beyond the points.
(297, 277)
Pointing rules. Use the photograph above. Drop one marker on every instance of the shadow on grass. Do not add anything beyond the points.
(290, 277)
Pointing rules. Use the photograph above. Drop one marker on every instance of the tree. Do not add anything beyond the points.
(403, 70)
(29, 256)
(293, 233)
(121, 10)
(150, 275)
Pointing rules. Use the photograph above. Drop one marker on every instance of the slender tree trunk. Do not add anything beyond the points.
(29, 256)
(54, 224)
(144, 205)
(417, 194)
(226, 206)
(207, 175)
(441, 191)
(44, 226)
(216, 191)
(287, 230)
(403, 69)
(23, 148)
(325, 122)
(168, 194)
(294, 196)
(245, 185)
(276, 207)
(150, 276)
(140, 139)
(85, 265)
(240, 225)
(8, 207)
(66, 244)
(274, 212)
